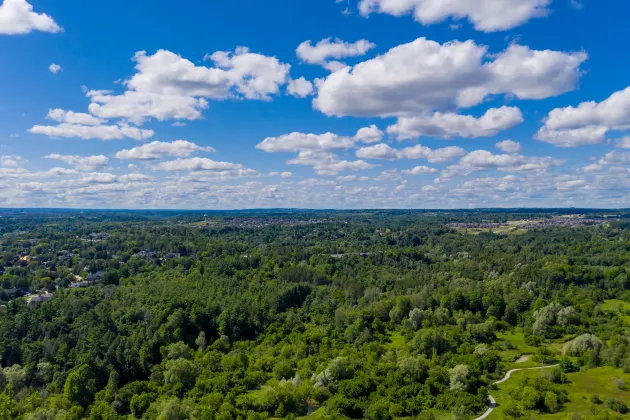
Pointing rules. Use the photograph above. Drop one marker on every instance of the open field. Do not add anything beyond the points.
(582, 386)
(620, 307)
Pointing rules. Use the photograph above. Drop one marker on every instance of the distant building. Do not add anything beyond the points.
(145, 254)
(99, 275)
(33, 301)
(337, 255)
(79, 284)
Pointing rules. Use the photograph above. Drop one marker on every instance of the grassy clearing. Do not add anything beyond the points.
(512, 346)
(620, 307)
(397, 342)
(582, 387)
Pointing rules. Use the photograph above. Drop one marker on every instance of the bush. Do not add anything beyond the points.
(583, 344)
(567, 365)
(616, 405)
(596, 400)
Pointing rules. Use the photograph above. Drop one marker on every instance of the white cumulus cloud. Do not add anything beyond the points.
(17, 18)
(448, 125)
(509, 146)
(55, 68)
(296, 142)
(384, 151)
(423, 76)
(71, 117)
(326, 49)
(419, 170)
(485, 15)
(82, 163)
(588, 123)
(168, 86)
(87, 132)
(370, 134)
(157, 150)
(300, 88)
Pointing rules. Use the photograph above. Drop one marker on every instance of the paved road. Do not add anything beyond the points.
(509, 373)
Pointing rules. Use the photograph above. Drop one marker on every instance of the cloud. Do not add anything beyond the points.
(71, 117)
(87, 132)
(157, 150)
(326, 49)
(419, 170)
(369, 134)
(168, 86)
(383, 151)
(480, 160)
(423, 76)
(509, 146)
(55, 68)
(588, 123)
(10, 161)
(485, 15)
(136, 177)
(379, 151)
(300, 88)
(312, 182)
(590, 134)
(18, 18)
(325, 163)
(623, 143)
(296, 142)
(202, 165)
(448, 125)
(282, 174)
(82, 163)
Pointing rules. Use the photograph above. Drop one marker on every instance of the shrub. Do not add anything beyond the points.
(582, 344)
(616, 405)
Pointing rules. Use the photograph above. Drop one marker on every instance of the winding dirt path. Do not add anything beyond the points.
(509, 373)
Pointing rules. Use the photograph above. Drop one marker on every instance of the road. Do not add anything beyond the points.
(493, 402)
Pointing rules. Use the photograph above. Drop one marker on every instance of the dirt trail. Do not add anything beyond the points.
(509, 373)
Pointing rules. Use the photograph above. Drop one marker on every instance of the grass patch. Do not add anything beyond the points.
(620, 307)
(397, 342)
(512, 346)
(582, 386)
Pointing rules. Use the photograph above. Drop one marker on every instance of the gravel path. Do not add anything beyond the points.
(509, 373)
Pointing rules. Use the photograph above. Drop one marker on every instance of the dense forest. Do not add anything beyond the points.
(324, 315)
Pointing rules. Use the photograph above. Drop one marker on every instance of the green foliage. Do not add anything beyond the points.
(263, 319)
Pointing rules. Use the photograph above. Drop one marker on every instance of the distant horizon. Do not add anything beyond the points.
(288, 209)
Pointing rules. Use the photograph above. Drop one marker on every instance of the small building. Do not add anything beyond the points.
(79, 284)
(145, 254)
(337, 255)
(33, 301)
(99, 275)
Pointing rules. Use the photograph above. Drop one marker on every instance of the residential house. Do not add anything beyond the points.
(35, 300)
(99, 275)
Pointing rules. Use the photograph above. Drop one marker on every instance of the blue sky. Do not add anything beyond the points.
(487, 103)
